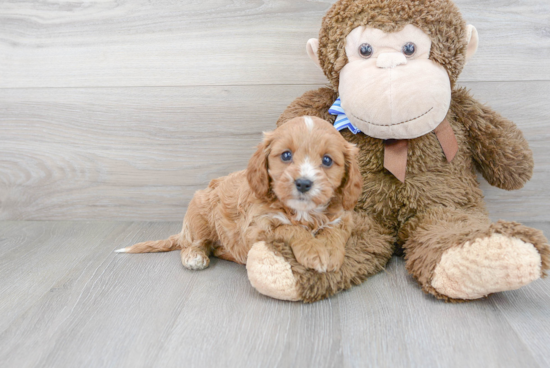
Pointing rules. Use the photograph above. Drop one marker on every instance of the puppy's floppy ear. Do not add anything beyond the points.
(256, 172)
(352, 184)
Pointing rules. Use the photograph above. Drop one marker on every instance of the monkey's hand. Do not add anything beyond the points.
(500, 151)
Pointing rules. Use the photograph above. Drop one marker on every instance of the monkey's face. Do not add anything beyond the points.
(390, 89)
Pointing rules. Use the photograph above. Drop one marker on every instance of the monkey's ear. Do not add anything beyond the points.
(312, 48)
(473, 42)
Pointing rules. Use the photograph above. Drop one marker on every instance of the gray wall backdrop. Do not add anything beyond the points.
(122, 109)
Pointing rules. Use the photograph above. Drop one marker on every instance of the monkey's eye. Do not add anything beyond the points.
(365, 50)
(327, 161)
(286, 156)
(409, 49)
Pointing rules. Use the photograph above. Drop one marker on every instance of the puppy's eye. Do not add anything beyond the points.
(286, 156)
(327, 161)
(409, 49)
(365, 50)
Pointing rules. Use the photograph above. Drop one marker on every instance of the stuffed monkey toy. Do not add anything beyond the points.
(393, 67)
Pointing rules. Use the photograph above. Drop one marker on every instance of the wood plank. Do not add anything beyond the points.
(141, 147)
(223, 42)
(37, 257)
(141, 153)
(243, 323)
(527, 311)
(13, 234)
(79, 255)
(522, 26)
(146, 310)
(389, 322)
(101, 309)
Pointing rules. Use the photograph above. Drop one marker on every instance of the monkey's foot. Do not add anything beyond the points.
(270, 274)
(194, 259)
(486, 265)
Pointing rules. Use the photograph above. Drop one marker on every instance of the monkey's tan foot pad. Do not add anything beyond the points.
(270, 274)
(194, 259)
(486, 265)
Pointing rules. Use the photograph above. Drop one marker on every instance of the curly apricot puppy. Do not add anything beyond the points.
(300, 187)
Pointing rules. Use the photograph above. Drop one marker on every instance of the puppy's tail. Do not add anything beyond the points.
(172, 243)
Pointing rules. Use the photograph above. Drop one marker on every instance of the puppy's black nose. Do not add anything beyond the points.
(303, 185)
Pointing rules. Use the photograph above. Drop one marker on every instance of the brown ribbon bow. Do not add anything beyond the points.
(395, 150)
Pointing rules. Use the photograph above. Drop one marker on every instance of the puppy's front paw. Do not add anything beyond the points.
(336, 260)
(313, 254)
(194, 259)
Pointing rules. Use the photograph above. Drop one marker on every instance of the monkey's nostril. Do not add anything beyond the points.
(303, 185)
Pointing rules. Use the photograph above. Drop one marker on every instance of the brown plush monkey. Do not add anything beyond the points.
(394, 64)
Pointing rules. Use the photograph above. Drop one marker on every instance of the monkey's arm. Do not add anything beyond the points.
(311, 103)
(500, 151)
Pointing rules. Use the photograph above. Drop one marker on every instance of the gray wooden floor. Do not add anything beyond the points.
(66, 300)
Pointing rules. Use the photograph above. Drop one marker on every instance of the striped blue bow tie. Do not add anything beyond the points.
(342, 121)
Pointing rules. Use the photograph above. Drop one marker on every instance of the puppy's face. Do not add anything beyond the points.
(308, 163)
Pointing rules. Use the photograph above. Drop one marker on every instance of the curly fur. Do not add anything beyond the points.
(440, 205)
(440, 19)
(257, 204)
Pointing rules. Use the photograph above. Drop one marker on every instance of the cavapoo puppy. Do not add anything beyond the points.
(300, 187)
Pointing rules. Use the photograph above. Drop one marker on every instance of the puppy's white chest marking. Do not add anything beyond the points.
(303, 216)
(327, 225)
(281, 217)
